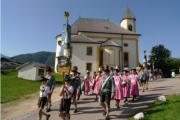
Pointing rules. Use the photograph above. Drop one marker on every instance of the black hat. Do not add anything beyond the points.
(48, 69)
(43, 78)
(75, 69)
(67, 78)
(134, 69)
(107, 67)
(107, 70)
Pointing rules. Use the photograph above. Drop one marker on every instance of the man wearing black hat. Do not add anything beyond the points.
(106, 91)
(66, 94)
(75, 82)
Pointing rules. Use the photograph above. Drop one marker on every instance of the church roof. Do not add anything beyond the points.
(83, 39)
(128, 14)
(111, 43)
(98, 26)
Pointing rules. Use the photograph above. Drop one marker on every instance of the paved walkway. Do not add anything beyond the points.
(89, 109)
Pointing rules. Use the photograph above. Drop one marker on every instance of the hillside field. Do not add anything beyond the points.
(13, 88)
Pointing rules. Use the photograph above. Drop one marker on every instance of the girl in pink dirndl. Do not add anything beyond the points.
(118, 95)
(97, 85)
(134, 91)
(87, 80)
(125, 85)
(94, 79)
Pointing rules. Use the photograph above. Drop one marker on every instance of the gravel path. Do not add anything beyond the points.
(89, 109)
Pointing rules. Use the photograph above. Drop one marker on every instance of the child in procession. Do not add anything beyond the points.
(44, 90)
(134, 91)
(66, 93)
(51, 84)
(118, 90)
(97, 84)
(79, 87)
(87, 80)
(125, 85)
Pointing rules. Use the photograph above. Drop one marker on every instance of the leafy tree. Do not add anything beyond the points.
(175, 64)
(160, 58)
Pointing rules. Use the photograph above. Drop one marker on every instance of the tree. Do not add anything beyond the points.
(175, 64)
(160, 58)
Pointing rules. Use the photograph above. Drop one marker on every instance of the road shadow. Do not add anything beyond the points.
(135, 106)
(89, 110)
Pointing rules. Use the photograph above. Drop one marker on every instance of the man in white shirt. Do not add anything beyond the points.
(66, 94)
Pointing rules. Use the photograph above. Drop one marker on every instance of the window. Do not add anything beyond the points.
(89, 66)
(89, 51)
(125, 45)
(40, 72)
(126, 59)
(130, 27)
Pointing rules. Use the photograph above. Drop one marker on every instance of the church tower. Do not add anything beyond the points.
(128, 21)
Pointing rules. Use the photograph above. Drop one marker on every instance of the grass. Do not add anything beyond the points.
(13, 88)
(169, 110)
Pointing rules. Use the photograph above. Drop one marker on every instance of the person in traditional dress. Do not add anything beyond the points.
(118, 90)
(51, 84)
(44, 90)
(97, 84)
(75, 82)
(134, 91)
(79, 88)
(92, 84)
(145, 79)
(87, 80)
(125, 85)
(106, 92)
(66, 93)
(140, 75)
(94, 78)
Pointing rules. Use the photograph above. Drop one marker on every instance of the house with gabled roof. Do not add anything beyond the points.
(31, 71)
(100, 42)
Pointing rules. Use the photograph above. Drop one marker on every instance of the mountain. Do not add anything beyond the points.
(40, 57)
(4, 56)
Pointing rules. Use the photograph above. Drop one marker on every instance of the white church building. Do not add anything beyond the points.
(100, 42)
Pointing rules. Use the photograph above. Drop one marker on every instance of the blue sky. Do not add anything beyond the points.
(31, 25)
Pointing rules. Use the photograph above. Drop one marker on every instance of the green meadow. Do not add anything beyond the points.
(13, 88)
(169, 110)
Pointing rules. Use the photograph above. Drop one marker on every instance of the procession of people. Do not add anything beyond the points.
(106, 84)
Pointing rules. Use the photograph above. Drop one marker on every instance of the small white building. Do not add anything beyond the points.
(100, 42)
(31, 71)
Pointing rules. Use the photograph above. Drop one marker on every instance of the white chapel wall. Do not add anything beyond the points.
(79, 57)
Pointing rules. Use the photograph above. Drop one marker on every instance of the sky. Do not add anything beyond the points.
(29, 26)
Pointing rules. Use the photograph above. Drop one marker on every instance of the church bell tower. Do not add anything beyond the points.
(128, 21)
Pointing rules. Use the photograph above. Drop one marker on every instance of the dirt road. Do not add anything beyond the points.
(88, 108)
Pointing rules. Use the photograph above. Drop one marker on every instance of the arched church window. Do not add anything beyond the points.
(130, 27)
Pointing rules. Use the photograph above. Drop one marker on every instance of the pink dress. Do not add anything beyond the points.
(134, 85)
(94, 81)
(97, 85)
(87, 80)
(118, 90)
(125, 86)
